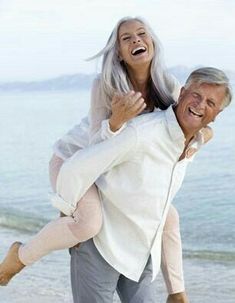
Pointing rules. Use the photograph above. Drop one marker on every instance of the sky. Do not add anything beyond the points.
(48, 38)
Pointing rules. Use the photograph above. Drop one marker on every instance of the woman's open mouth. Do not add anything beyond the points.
(138, 50)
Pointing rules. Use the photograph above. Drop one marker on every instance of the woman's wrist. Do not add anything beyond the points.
(115, 125)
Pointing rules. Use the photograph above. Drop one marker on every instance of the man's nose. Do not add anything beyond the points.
(201, 103)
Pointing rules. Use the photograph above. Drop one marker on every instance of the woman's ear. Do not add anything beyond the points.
(120, 58)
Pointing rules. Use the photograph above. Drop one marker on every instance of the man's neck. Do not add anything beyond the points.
(189, 134)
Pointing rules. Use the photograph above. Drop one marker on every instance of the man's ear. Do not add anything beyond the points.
(182, 91)
(219, 111)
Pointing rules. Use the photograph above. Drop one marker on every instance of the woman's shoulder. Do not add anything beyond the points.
(96, 87)
(174, 87)
(96, 80)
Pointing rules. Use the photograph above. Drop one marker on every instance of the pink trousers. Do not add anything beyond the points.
(86, 222)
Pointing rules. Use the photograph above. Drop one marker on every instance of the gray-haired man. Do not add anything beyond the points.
(138, 174)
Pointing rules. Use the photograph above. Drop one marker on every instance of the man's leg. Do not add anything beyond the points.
(143, 291)
(93, 279)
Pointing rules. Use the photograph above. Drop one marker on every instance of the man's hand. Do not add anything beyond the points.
(125, 108)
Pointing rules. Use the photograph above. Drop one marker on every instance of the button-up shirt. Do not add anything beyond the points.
(138, 173)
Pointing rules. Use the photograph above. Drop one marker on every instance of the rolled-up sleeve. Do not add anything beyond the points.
(80, 171)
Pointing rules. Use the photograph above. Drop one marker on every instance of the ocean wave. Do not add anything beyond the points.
(210, 255)
(31, 223)
(18, 220)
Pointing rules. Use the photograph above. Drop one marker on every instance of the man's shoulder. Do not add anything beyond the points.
(148, 120)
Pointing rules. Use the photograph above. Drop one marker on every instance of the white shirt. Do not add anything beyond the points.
(138, 174)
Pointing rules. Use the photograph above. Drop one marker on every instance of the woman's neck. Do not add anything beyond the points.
(139, 79)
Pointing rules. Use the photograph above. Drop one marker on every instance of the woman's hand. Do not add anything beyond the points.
(125, 108)
(207, 133)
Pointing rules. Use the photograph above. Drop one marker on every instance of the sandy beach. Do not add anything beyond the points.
(49, 280)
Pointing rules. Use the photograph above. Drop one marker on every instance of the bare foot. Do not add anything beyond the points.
(180, 297)
(11, 265)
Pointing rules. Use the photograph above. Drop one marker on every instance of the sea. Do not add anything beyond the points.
(30, 122)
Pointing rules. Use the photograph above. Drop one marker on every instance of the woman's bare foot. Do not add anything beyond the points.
(11, 265)
(180, 297)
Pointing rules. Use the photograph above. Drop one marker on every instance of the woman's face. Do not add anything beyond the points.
(135, 44)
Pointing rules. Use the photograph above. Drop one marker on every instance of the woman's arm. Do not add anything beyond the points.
(106, 123)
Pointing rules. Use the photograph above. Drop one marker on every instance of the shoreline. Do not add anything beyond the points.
(48, 280)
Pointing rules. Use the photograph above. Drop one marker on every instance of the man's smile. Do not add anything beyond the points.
(195, 113)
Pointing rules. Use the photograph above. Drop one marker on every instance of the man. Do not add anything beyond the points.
(138, 174)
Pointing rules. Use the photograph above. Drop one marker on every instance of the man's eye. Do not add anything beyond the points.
(210, 103)
(142, 34)
(195, 95)
(125, 38)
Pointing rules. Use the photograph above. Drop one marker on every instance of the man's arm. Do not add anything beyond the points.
(80, 171)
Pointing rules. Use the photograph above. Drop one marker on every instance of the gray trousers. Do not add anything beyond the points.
(95, 281)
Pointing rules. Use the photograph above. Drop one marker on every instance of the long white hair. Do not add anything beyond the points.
(114, 76)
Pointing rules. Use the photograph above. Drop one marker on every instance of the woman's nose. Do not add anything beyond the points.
(135, 39)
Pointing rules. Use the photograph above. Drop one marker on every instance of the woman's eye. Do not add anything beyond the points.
(142, 33)
(125, 38)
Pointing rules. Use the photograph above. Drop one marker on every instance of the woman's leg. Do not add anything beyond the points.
(61, 233)
(172, 262)
(65, 232)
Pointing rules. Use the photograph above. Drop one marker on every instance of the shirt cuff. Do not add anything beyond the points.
(65, 207)
(106, 132)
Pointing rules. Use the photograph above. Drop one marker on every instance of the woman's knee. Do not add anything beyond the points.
(88, 215)
(85, 228)
(94, 225)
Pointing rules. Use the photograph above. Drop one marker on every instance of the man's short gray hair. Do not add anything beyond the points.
(211, 75)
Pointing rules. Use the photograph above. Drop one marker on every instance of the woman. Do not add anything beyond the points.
(133, 81)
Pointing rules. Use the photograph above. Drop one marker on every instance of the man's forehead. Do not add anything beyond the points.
(205, 85)
(212, 91)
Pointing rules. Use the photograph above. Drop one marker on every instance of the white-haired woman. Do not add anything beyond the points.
(133, 81)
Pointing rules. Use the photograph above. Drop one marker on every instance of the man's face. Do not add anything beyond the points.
(198, 105)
